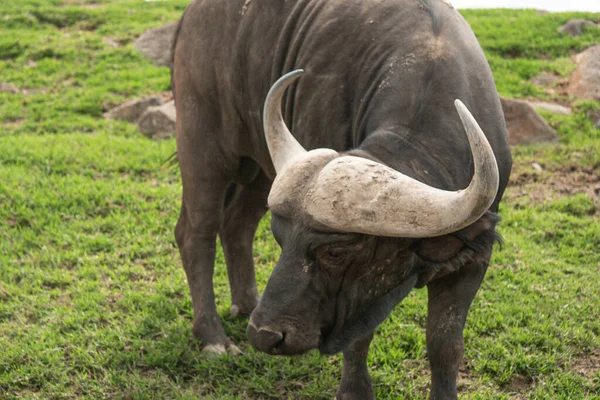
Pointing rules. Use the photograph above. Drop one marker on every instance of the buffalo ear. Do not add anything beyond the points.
(444, 255)
(444, 248)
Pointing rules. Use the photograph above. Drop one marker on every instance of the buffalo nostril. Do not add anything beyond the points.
(264, 339)
(269, 339)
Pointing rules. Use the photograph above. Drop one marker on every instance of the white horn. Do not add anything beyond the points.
(283, 147)
(354, 194)
(482, 190)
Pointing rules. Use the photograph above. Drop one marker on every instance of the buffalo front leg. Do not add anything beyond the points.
(356, 383)
(206, 172)
(244, 207)
(196, 238)
(449, 300)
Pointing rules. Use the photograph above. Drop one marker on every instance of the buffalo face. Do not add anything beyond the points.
(329, 289)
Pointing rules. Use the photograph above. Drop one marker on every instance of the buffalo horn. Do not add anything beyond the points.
(354, 194)
(283, 147)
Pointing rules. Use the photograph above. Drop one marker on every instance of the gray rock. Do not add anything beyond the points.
(546, 80)
(575, 27)
(6, 87)
(131, 110)
(524, 125)
(552, 107)
(156, 44)
(158, 122)
(585, 81)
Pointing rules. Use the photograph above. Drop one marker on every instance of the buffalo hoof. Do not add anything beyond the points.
(235, 311)
(242, 312)
(210, 333)
(243, 308)
(216, 350)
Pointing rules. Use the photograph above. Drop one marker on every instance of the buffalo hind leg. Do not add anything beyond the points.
(356, 383)
(449, 300)
(245, 205)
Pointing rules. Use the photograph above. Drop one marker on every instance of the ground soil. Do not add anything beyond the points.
(587, 364)
(537, 185)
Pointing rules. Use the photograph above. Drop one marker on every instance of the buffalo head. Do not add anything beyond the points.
(348, 227)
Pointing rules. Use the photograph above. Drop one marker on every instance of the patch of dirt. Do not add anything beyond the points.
(587, 364)
(6, 87)
(540, 185)
(13, 124)
(466, 381)
(64, 299)
(519, 384)
(107, 105)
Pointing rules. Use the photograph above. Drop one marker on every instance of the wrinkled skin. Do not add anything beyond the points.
(326, 272)
(381, 78)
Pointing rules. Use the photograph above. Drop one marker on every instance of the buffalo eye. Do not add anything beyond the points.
(332, 255)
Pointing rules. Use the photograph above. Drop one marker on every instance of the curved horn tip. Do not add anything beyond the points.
(292, 75)
(460, 107)
(295, 72)
(282, 83)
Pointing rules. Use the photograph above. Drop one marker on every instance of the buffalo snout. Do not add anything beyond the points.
(264, 339)
(281, 336)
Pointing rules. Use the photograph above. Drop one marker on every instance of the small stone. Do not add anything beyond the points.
(131, 110)
(537, 167)
(158, 122)
(524, 125)
(156, 44)
(552, 107)
(111, 43)
(575, 27)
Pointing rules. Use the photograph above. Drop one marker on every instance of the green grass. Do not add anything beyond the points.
(93, 299)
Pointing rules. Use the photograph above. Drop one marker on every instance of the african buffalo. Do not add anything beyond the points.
(408, 162)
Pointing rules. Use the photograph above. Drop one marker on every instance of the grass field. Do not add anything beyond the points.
(93, 298)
